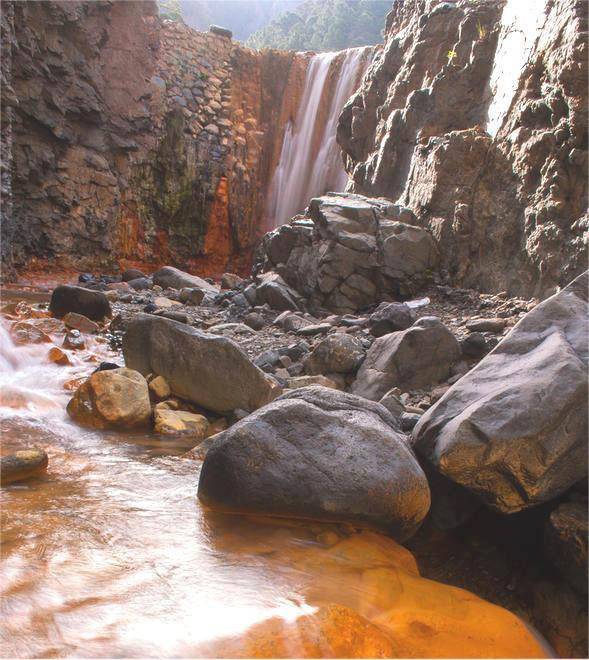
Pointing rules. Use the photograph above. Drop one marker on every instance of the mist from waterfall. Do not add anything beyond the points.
(301, 174)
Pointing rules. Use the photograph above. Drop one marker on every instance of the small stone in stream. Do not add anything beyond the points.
(408, 421)
(486, 325)
(24, 332)
(23, 464)
(335, 353)
(390, 317)
(83, 278)
(132, 274)
(230, 281)
(191, 296)
(315, 329)
(57, 356)
(392, 403)
(140, 284)
(180, 422)
(149, 308)
(74, 340)
(159, 387)
(93, 304)
(117, 286)
(474, 345)
(254, 320)
(126, 298)
(80, 322)
(117, 398)
(565, 543)
(307, 381)
(181, 317)
(107, 366)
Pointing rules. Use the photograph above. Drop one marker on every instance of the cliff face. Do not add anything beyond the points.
(128, 140)
(475, 117)
(78, 75)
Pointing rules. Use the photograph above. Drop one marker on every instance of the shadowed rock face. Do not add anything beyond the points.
(318, 453)
(514, 429)
(500, 182)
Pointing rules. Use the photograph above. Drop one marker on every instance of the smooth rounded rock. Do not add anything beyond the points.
(318, 453)
(66, 298)
(21, 465)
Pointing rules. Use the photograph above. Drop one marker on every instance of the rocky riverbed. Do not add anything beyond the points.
(348, 419)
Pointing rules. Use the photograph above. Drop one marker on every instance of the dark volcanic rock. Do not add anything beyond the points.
(417, 357)
(93, 304)
(565, 543)
(208, 370)
(390, 317)
(318, 453)
(514, 429)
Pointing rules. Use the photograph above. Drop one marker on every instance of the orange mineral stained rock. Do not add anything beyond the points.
(363, 597)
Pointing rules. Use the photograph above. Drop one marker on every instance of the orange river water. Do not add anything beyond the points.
(110, 554)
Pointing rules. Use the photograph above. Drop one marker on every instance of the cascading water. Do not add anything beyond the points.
(304, 172)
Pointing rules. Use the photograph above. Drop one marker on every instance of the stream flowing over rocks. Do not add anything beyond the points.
(247, 416)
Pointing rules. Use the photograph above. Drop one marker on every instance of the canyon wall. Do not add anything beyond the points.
(132, 141)
(474, 116)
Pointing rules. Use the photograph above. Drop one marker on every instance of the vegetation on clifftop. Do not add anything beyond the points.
(323, 25)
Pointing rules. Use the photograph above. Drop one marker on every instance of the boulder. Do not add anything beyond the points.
(565, 543)
(80, 322)
(132, 274)
(116, 398)
(22, 465)
(318, 453)
(410, 359)
(140, 284)
(209, 370)
(390, 317)
(514, 428)
(66, 298)
(173, 278)
(273, 290)
(230, 281)
(338, 353)
(159, 387)
(192, 296)
(254, 320)
(180, 422)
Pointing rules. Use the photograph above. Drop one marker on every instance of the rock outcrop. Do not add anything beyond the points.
(318, 453)
(474, 116)
(349, 252)
(514, 429)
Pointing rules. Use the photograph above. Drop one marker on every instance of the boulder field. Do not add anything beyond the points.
(405, 417)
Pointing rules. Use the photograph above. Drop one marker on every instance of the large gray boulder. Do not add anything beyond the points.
(208, 370)
(173, 278)
(514, 429)
(321, 454)
(417, 357)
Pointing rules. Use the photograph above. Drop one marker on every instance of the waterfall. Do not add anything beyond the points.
(521, 22)
(302, 171)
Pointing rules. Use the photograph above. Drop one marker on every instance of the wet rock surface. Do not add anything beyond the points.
(318, 453)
